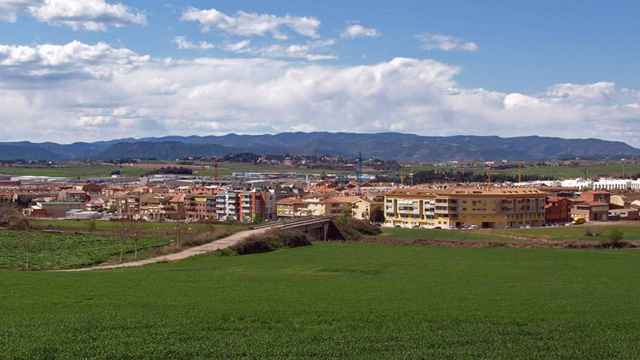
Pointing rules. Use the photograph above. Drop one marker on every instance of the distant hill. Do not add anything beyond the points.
(388, 146)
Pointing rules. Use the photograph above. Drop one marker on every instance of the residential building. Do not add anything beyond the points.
(227, 206)
(557, 210)
(200, 208)
(490, 207)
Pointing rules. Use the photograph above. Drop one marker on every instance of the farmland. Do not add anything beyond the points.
(76, 171)
(73, 244)
(592, 232)
(73, 172)
(348, 301)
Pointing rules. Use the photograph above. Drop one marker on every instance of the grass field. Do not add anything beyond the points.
(631, 232)
(568, 233)
(611, 169)
(79, 172)
(79, 246)
(334, 301)
(428, 234)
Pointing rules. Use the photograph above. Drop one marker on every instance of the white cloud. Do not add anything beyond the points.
(596, 91)
(253, 24)
(9, 9)
(185, 44)
(431, 41)
(357, 31)
(74, 59)
(92, 15)
(306, 51)
(142, 96)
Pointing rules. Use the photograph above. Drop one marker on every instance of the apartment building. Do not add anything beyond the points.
(461, 207)
(256, 206)
(227, 206)
(200, 208)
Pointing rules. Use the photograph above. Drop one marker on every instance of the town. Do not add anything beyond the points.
(259, 197)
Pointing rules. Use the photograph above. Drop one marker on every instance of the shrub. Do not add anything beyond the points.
(253, 246)
(353, 229)
(12, 218)
(293, 239)
(271, 241)
(590, 232)
(615, 240)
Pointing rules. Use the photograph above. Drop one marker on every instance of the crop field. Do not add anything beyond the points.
(428, 234)
(561, 233)
(582, 232)
(74, 172)
(611, 169)
(74, 244)
(614, 169)
(334, 301)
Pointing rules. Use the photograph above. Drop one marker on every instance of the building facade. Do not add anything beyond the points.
(464, 207)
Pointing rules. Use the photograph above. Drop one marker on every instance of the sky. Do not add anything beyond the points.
(85, 70)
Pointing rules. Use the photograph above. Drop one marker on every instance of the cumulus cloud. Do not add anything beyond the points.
(253, 24)
(92, 15)
(355, 31)
(144, 96)
(74, 59)
(307, 51)
(9, 9)
(185, 44)
(596, 91)
(431, 41)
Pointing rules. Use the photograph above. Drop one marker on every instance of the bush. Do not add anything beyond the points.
(293, 239)
(271, 241)
(591, 233)
(615, 241)
(353, 229)
(12, 219)
(253, 246)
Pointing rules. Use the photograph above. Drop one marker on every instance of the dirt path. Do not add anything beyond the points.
(185, 254)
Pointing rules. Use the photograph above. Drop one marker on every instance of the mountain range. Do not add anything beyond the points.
(386, 146)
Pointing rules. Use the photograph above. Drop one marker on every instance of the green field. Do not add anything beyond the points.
(428, 234)
(611, 169)
(77, 245)
(79, 172)
(570, 172)
(334, 301)
(562, 233)
(631, 232)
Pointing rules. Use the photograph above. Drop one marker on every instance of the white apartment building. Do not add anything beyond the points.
(227, 206)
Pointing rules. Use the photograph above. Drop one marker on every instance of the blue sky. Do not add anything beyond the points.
(509, 65)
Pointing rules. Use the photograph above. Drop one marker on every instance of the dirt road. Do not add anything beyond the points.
(191, 252)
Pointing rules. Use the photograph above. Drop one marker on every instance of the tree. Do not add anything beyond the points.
(12, 218)
(616, 236)
(377, 215)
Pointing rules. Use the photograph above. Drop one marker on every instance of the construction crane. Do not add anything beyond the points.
(359, 173)
(216, 170)
(520, 171)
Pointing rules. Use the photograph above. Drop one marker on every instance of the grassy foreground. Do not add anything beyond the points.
(334, 301)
